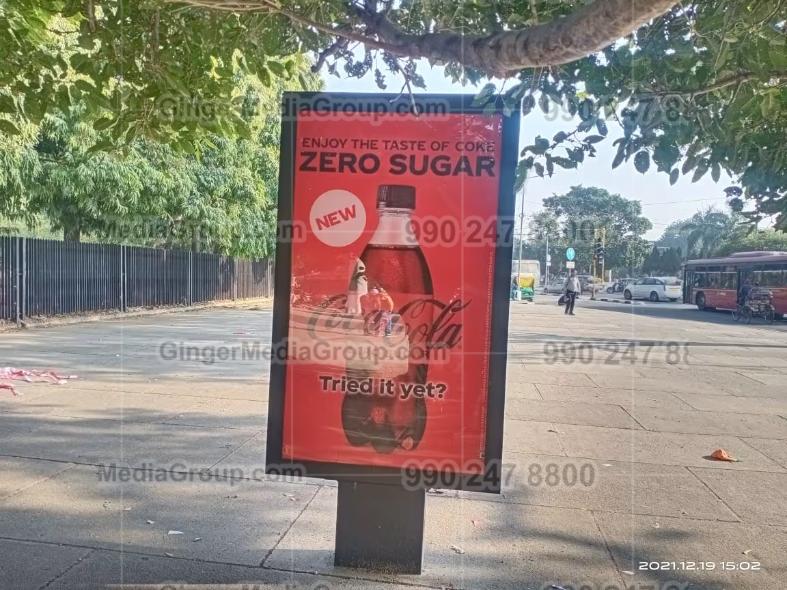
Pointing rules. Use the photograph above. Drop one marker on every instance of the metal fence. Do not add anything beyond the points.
(47, 278)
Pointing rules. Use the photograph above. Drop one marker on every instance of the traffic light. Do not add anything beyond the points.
(598, 251)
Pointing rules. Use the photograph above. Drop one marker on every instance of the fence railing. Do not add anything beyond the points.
(48, 278)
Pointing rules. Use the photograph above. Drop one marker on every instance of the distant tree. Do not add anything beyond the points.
(544, 223)
(671, 261)
(222, 199)
(708, 229)
(675, 236)
(19, 166)
(652, 264)
(635, 254)
(760, 240)
(585, 213)
(77, 188)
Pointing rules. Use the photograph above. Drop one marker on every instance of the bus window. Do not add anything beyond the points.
(728, 280)
(771, 278)
(713, 280)
(699, 280)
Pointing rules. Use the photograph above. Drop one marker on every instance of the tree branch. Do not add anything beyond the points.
(734, 80)
(584, 32)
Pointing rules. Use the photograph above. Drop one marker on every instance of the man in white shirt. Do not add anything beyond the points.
(572, 288)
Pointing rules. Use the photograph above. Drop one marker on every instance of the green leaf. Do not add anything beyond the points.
(541, 145)
(264, 75)
(484, 95)
(7, 104)
(702, 168)
(585, 126)
(8, 127)
(689, 165)
(674, 176)
(642, 161)
(594, 138)
(602, 127)
(543, 102)
(770, 105)
(103, 123)
(620, 156)
(528, 103)
(715, 172)
(539, 168)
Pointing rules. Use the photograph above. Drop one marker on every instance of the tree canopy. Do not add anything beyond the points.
(713, 232)
(585, 215)
(695, 87)
(222, 199)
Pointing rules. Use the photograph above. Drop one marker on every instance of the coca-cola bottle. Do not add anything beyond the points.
(399, 313)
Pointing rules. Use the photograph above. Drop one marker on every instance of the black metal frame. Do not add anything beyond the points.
(429, 105)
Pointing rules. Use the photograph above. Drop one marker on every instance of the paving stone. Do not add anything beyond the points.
(517, 390)
(225, 413)
(119, 442)
(777, 379)
(237, 522)
(30, 566)
(554, 377)
(142, 572)
(674, 544)
(694, 422)
(19, 474)
(465, 540)
(661, 448)
(76, 402)
(775, 450)
(755, 497)
(642, 383)
(627, 398)
(748, 405)
(532, 437)
(570, 413)
(610, 486)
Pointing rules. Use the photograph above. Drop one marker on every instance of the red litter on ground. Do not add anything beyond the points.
(30, 376)
(722, 455)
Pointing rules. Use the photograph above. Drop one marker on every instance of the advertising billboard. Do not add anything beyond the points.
(392, 287)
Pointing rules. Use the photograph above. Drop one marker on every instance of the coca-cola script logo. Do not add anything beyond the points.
(425, 320)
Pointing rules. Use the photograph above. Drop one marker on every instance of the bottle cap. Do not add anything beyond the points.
(396, 196)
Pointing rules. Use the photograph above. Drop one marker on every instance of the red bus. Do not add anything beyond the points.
(713, 283)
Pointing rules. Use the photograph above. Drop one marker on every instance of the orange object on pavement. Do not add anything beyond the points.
(722, 455)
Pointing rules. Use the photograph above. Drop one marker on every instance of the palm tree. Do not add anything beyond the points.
(707, 230)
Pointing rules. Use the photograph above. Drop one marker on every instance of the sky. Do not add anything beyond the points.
(661, 203)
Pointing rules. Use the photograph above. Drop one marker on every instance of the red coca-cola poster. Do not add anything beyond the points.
(392, 286)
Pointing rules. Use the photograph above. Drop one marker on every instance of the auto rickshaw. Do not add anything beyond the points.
(526, 284)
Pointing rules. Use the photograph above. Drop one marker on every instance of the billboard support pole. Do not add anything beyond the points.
(380, 527)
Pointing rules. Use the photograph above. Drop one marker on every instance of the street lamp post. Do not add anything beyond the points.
(521, 229)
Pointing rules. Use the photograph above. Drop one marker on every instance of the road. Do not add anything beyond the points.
(611, 418)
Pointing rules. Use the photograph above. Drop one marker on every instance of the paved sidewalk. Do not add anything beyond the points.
(611, 417)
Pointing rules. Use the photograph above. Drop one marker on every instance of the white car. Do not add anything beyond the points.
(655, 289)
(555, 286)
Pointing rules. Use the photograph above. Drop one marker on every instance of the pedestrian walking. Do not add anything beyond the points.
(572, 288)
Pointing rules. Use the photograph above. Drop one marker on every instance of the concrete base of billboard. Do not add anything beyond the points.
(380, 527)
